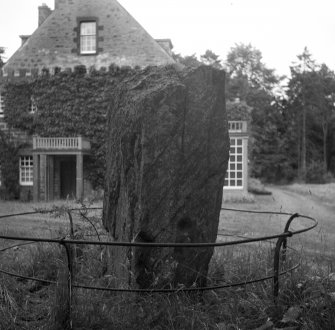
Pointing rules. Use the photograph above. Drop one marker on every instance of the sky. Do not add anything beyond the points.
(280, 29)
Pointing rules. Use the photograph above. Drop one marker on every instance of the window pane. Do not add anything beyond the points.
(234, 175)
(88, 37)
(87, 28)
(26, 170)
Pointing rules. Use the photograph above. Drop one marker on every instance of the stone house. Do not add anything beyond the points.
(77, 32)
(93, 34)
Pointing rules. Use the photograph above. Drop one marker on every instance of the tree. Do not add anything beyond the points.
(188, 60)
(300, 88)
(246, 70)
(272, 157)
(250, 82)
(325, 101)
(311, 97)
(210, 58)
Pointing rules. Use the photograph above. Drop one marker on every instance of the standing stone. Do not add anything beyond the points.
(167, 155)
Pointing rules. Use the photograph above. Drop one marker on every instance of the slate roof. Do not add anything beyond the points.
(121, 39)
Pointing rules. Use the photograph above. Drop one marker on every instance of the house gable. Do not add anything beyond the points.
(121, 40)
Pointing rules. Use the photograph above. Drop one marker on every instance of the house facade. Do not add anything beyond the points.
(95, 34)
(76, 33)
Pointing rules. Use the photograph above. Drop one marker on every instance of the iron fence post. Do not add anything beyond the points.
(281, 242)
(286, 230)
(69, 282)
(71, 224)
(276, 261)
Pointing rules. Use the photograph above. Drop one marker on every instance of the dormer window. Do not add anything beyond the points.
(33, 106)
(88, 37)
(2, 106)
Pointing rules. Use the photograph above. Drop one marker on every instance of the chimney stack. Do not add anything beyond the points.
(43, 13)
(58, 3)
(24, 38)
(166, 44)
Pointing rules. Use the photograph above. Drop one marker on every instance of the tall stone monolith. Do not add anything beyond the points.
(168, 150)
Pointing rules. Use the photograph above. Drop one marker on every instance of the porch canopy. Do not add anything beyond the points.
(58, 162)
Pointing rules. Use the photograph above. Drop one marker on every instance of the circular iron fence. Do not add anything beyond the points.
(279, 252)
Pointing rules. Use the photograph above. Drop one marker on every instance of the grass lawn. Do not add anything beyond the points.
(310, 200)
(30, 306)
(324, 192)
(39, 224)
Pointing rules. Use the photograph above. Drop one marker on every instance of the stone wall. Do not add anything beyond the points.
(121, 40)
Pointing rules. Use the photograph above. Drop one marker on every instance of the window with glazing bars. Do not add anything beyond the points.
(88, 37)
(26, 170)
(234, 175)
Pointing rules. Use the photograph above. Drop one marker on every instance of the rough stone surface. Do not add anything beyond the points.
(168, 150)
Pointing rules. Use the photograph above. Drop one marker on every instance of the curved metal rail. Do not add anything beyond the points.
(281, 246)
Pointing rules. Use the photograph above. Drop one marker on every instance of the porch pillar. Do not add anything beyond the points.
(43, 179)
(50, 178)
(36, 177)
(79, 176)
(245, 163)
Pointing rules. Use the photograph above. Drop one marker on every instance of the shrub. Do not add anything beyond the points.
(315, 173)
(256, 187)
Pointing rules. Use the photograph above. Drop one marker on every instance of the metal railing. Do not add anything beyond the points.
(60, 143)
(278, 257)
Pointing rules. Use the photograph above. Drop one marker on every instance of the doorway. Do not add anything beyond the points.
(68, 178)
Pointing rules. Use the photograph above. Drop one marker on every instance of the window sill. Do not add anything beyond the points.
(88, 54)
(233, 188)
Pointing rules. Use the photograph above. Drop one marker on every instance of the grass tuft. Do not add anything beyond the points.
(25, 304)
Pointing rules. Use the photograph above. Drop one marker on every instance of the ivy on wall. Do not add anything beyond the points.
(68, 104)
(18, 100)
(238, 110)
(9, 160)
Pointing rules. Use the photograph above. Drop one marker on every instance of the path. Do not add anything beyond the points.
(321, 239)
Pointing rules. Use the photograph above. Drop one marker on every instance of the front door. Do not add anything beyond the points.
(68, 178)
